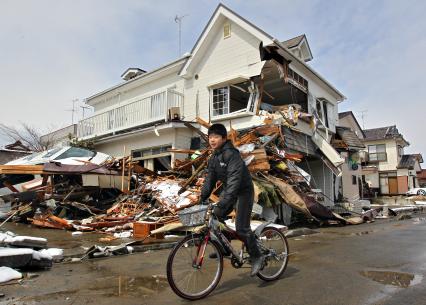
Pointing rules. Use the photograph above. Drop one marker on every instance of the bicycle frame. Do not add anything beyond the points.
(214, 233)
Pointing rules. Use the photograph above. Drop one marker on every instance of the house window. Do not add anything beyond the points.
(354, 182)
(226, 30)
(221, 101)
(234, 98)
(322, 110)
(151, 152)
(377, 153)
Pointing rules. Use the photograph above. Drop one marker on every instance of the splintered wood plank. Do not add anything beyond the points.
(21, 169)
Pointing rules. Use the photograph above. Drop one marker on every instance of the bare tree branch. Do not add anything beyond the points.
(28, 135)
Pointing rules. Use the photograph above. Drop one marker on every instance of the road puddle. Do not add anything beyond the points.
(398, 279)
(131, 286)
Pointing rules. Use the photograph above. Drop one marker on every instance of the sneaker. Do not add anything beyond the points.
(256, 264)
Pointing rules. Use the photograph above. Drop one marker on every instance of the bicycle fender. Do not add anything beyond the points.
(260, 228)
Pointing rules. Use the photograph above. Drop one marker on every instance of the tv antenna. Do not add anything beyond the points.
(73, 110)
(84, 107)
(363, 115)
(178, 20)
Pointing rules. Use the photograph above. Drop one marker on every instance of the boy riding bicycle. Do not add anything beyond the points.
(227, 166)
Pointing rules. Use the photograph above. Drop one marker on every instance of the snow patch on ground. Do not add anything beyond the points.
(7, 274)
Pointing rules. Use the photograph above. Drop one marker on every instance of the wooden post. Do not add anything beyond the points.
(122, 171)
(130, 169)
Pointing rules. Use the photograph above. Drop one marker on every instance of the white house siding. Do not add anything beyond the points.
(182, 140)
(372, 179)
(140, 140)
(224, 58)
(350, 190)
(392, 154)
(349, 122)
(138, 89)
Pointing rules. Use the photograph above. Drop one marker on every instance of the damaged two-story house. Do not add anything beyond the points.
(234, 73)
(386, 169)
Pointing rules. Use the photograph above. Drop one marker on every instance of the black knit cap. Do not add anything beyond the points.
(218, 129)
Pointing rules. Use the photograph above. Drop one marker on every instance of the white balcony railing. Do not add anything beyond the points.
(141, 112)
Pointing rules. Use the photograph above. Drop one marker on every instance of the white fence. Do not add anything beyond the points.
(144, 111)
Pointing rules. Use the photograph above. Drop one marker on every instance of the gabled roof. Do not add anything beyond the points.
(293, 42)
(299, 42)
(409, 161)
(18, 146)
(383, 133)
(349, 137)
(223, 12)
(131, 73)
(350, 113)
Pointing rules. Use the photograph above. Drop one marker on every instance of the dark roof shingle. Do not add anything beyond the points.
(349, 137)
(407, 161)
(381, 133)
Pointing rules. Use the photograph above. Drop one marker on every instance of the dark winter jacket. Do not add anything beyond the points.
(226, 165)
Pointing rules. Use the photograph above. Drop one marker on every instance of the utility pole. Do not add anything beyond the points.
(178, 20)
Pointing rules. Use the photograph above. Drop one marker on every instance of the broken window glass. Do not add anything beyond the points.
(76, 152)
(235, 98)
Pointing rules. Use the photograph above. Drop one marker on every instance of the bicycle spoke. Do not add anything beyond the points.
(187, 280)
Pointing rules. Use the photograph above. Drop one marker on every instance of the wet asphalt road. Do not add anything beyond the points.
(381, 263)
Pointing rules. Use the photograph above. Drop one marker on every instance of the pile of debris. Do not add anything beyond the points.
(63, 197)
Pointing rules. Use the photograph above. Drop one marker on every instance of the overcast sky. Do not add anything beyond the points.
(52, 52)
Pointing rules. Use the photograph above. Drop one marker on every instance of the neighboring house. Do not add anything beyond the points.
(234, 70)
(348, 141)
(408, 167)
(13, 151)
(421, 177)
(60, 137)
(387, 170)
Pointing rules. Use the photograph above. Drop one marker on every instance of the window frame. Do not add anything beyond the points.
(212, 95)
(252, 101)
(377, 153)
(323, 111)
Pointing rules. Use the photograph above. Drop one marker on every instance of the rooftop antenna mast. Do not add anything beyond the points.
(363, 115)
(84, 107)
(178, 20)
(73, 110)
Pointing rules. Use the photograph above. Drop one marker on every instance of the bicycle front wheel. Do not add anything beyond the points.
(275, 247)
(194, 267)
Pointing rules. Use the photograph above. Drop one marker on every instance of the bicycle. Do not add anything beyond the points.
(195, 264)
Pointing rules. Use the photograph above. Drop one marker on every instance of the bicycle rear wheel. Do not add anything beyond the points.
(275, 247)
(191, 273)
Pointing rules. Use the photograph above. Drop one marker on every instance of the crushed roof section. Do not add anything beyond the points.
(349, 137)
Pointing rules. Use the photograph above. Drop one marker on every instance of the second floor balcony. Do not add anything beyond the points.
(146, 111)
